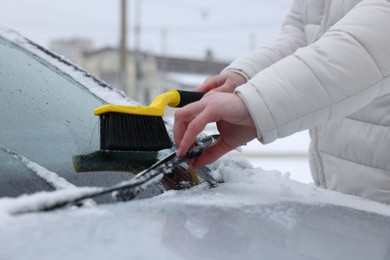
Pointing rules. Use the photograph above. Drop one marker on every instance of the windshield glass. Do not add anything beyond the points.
(17, 177)
(47, 117)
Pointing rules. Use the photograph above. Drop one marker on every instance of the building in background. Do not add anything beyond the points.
(148, 75)
(73, 49)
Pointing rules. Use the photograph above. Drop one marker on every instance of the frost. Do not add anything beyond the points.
(95, 86)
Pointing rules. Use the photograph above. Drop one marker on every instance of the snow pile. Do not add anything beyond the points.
(245, 185)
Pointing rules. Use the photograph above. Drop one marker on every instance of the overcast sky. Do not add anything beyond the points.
(227, 27)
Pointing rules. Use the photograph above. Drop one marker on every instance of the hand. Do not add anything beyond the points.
(225, 82)
(234, 124)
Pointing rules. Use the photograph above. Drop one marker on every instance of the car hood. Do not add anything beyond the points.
(254, 213)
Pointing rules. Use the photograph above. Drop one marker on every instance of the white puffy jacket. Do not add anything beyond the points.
(328, 72)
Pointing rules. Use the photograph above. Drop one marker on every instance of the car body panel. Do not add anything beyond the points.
(157, 229)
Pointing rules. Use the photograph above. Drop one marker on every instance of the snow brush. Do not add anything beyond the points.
(140, 128)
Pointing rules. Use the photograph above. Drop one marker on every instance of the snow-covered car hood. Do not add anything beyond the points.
(253, 214)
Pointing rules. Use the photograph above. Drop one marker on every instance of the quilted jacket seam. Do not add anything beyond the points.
(365, 49)
(367, 122)
(352, 161)
(332, 104)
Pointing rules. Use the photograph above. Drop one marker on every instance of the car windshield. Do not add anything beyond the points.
(20, 179)
(46, 117)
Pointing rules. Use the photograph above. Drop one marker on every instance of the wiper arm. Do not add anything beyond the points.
(128, 189)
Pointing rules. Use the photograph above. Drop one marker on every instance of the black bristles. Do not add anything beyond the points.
(128, 132)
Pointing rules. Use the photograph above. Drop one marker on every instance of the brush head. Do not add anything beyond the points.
(127, 132)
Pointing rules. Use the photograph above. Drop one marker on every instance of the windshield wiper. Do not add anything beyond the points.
(126, 190)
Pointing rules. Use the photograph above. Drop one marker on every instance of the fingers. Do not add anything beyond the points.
(194, 128)
(211, 83)
(226, 82)
(183, 117)
(228, 111)
(189, 122)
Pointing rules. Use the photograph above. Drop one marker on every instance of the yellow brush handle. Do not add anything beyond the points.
(156, 108)
(172, 98)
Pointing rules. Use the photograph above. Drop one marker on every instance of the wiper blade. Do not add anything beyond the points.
(129, 189)
(163, 167)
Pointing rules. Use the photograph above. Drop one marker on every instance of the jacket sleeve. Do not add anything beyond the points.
(292, 37)
(343, 71)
